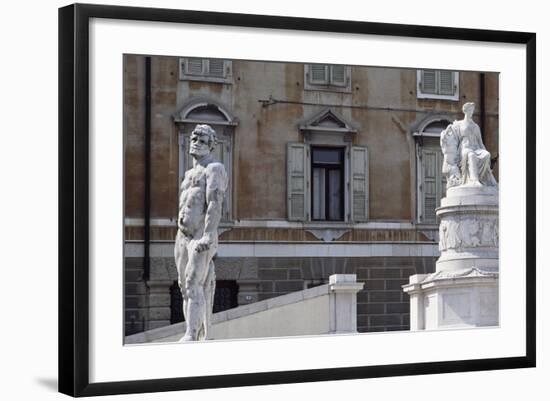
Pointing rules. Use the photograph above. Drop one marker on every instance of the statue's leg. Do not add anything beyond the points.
(195, 276)
(473, 168)
(209, 291)
(485, 174)
(180, 254)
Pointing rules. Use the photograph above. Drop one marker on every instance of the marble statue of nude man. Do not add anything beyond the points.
(200, 210)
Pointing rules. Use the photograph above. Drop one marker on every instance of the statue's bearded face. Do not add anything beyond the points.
(200, 144)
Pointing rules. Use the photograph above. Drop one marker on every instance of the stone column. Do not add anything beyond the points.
(343, 302)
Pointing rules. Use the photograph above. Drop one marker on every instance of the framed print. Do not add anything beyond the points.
(250, 199)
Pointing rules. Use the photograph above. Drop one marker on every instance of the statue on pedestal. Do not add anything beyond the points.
(463, 290)
(200, 210)
(465, 159)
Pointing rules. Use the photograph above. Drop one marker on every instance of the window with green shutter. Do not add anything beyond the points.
(437, 84)
(205, 69)
(297, 181)
(328, 77)
(359, 183)
(215, 67)
(433, 184)
(319, 74)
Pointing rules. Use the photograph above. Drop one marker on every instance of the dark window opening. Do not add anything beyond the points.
(225, 298)
(327, 183)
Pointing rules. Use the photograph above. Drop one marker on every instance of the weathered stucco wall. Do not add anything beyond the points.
(164, 149)
(134, 126)
(259, 154)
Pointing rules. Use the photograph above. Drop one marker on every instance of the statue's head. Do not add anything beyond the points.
(468, 108)
(203, 141)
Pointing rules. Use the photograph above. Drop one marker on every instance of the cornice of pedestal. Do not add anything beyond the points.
(452, 278)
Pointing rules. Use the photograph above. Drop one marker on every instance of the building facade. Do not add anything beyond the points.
(332, 169)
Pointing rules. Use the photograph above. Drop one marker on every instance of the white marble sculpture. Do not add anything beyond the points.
(465, 159)
(463, 291)
(200, 210)
(471, 235)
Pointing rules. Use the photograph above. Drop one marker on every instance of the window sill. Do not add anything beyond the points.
(219, 80)
(328, 88)
(454, 97)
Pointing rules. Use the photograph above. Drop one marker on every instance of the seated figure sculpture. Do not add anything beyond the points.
(466, 161)
(200, 210)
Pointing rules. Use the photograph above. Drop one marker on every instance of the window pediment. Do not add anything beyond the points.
(204, 111)
(327, 121)
(432, 125)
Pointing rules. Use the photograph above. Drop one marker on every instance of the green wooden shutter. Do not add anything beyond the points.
(431, 183)
(318, 73)
(194, 66)
(297, 182)
(359, 183)
(338, 75)
(446, 83)
(215, 67)
(221, 153)
(187, 158)
(429, 84)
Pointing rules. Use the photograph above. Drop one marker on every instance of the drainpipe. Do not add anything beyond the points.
(482, 104)
(147, 178)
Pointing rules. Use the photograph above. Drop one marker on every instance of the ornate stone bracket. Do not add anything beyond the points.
(328, 235)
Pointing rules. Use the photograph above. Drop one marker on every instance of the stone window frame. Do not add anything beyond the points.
(204, 76)
(315, 193)
(310, 84)
(316, 133)
(225, 129)
(420, 94)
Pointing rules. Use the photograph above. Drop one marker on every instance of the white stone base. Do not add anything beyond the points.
(457, 299)
(468, 230)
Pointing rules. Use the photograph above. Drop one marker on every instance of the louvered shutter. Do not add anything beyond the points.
(318, 73)
(194, 66)
(430, 185)
(187, 157)
(429, 81)
(338, 76)
(215, 67)
(221, 153)
(359, 183)
(446, 83)
(297, 182)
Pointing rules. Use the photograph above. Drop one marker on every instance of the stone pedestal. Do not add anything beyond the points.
(463, 292)
(343, 289)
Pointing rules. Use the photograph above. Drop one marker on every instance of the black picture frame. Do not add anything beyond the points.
(74, 198)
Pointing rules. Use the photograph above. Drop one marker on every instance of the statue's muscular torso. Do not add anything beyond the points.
(194, 197)
(192, 206)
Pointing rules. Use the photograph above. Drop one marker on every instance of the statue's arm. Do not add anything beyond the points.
(216, 184)
(180, 201)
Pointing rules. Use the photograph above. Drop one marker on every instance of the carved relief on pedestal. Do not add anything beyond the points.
(458, 233)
